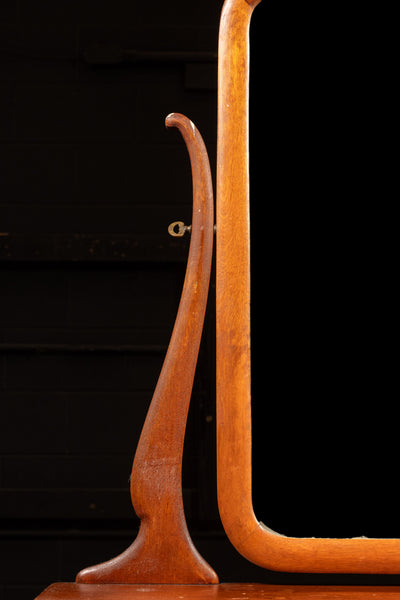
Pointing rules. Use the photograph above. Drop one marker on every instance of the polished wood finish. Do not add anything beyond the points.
(227, 591)
(249, 536)
(163, 551)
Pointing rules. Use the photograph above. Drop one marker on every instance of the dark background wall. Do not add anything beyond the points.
(90, 279)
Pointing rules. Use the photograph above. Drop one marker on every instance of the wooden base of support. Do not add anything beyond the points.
(225, 591)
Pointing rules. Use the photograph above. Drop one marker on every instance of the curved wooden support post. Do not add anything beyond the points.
(163, 551)
(250, 537)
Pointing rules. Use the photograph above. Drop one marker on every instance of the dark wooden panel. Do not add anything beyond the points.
(143, 298)
(101, 219)
(33, 299)
(94, 247)
(150, 175)
(66, 504)
(66, 112)
(7, 112)
(185, 15)
(63, 471)
(38, 52)
(9, 10)
(48, 12)
(33, 422)
(20, 592)
(110, 422)
(90, 279)
(48, 173)
(73, 372)
(37, 559)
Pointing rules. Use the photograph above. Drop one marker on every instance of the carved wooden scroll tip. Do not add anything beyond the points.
(253, 3)
(181, 122)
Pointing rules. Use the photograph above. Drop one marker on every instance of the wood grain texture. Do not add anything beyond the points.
(226, 591)
(250, 537)
(163, 551)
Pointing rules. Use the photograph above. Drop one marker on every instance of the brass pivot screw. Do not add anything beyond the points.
(178, 228)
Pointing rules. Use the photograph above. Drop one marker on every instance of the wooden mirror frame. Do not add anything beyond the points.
(251, 538)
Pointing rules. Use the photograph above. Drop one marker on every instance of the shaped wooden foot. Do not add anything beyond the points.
(163, 551)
